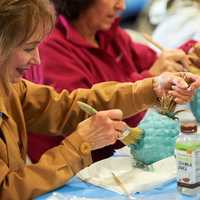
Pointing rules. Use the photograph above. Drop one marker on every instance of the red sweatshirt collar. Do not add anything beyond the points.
(75, 37)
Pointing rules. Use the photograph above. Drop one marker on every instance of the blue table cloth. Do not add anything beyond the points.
(76, 187)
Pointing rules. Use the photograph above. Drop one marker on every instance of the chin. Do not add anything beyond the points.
(106, 27)
(15, 80)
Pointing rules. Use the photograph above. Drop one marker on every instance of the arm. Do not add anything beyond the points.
(55, 167)
(47, 111)
(62, 162)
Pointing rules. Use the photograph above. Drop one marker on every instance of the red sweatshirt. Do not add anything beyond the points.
(70, 62)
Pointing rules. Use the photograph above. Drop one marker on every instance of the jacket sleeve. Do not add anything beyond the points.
(142, 55)
(55, 167)
(47, 111)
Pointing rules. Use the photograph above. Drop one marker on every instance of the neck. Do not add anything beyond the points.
(85, 29)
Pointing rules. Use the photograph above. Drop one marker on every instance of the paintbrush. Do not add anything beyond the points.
(121, 185)
(129, 135)
(153, 42)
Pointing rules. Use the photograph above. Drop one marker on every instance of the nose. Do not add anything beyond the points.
(35, 60)
(120, 5)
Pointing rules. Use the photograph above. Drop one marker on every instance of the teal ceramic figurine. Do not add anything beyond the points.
(159, 138)
(160, 131)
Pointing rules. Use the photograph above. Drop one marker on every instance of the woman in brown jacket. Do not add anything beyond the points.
(27, 107)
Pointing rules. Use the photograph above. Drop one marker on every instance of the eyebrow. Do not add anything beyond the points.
(32, 43)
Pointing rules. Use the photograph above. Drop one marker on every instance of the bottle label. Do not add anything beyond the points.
(188, 167)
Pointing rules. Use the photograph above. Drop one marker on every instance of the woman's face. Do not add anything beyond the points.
(22, 57)
(102, 13)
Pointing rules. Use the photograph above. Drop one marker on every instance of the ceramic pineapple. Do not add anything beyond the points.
(160, 128)
(159, 138)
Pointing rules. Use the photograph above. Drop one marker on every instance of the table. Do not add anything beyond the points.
(76, 187)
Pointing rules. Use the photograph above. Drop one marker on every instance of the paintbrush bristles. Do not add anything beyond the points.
(167, 104)
(134, 135)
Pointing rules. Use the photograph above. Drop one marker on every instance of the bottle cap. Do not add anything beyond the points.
(189, 127)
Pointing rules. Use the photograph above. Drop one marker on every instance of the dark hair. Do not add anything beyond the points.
(72, 9)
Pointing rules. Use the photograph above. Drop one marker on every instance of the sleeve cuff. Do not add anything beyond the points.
(147, 96)
(82, 147)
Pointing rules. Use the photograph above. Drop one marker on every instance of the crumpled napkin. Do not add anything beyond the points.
(133, 179)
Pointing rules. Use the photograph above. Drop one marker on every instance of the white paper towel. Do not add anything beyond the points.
(134, 179)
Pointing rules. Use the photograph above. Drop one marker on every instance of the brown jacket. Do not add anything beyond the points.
(37, 108)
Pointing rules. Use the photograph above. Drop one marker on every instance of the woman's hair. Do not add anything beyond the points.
(19, 20)
(72, 9)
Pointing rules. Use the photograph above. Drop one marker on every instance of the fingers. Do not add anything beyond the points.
(195, 85)
(180, 98)
(195, 49)
(182, 91)
(114, 114)
(178, 59)
(174, 67)
(195, 60)
(179, 82)
(175, 85)
(113, 124)
(176, 55)
(182, 101)
(185, 63)
(103, 128)
(194, 55)
(120, 126)
(194, 80)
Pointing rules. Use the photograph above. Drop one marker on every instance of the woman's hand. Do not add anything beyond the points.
(102, 129)
(194, 55)
(170, 61)
(181, 86)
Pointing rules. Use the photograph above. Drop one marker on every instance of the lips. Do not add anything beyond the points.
(112, 16)
(21, 71)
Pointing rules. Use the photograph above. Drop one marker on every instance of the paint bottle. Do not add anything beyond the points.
(187, 153)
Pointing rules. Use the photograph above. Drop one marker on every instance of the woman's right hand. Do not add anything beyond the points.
(102, 129)
(194, 55)
(170, 61)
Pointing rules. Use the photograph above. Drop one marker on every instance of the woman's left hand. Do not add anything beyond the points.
(181, 85)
